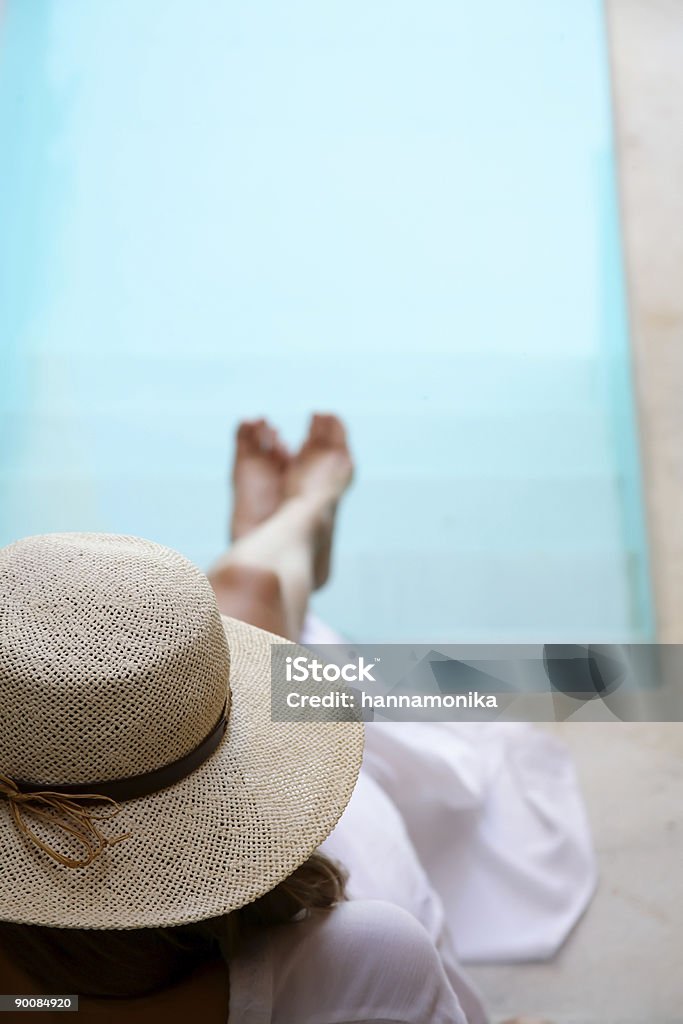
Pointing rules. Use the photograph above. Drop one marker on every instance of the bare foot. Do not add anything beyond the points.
(321, 470)
(258, 475)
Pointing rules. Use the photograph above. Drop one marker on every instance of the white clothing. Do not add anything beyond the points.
(385, 956)
(469, 837)
(495, 815)
(366, 962)
(372, 843)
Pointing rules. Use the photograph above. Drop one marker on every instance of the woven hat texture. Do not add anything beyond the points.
(114, 662)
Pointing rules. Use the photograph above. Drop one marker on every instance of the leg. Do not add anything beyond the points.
(275, 562)
(267, 576)
(252, 595)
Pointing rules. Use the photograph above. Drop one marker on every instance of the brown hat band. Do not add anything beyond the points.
(77, 821)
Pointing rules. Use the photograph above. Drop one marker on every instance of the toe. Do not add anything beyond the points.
(246, 437)
(318, 429)
(330, 431)
(337, 432)
(261, 436)
(267, 439)
(324, 429)
(280, 450)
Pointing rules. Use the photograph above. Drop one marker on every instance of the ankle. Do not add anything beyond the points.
(311, 509)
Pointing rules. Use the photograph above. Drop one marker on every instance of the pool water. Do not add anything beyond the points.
(402, 212)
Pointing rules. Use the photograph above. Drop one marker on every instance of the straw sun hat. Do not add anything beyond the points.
(120, 682)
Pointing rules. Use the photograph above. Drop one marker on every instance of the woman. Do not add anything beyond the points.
(129, 913)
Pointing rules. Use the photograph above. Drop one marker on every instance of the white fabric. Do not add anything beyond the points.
(367, 962)
(467, 837)
(371, 842)
(384, 956)
(496, 817)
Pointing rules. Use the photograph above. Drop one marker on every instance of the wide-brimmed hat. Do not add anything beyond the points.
(142, 780)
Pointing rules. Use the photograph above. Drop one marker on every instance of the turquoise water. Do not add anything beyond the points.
(402, 212)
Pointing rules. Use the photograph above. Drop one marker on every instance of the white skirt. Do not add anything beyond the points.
(495, 815)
